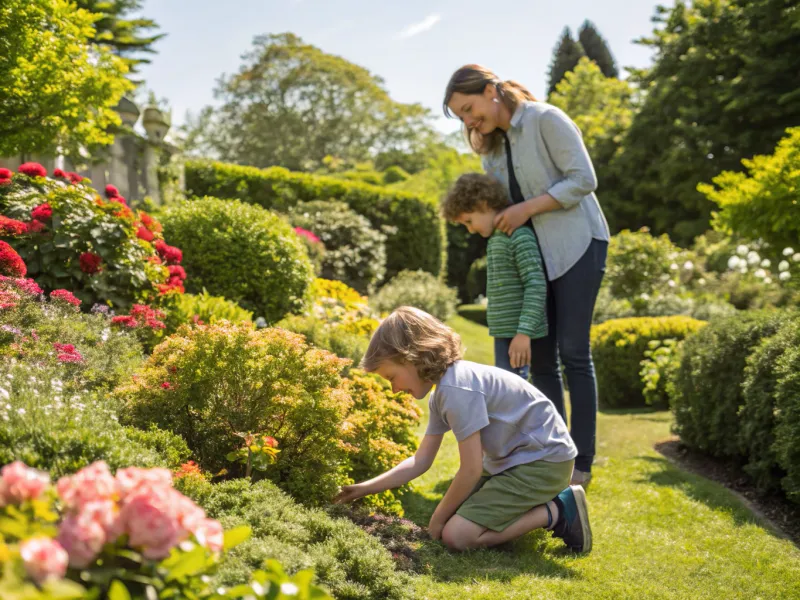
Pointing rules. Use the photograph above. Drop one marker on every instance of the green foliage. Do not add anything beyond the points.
(347, 561)
(566, 56)
(618, 348)
(639, 263)
(661, 359)
(282, 76)
(241, 252)
(762, 204)
(787, 410)
(414, 229)
(130, 269)
(476, 279)
(59, 90)
(717, 93)
(211, 382)
(419, 289)
(474, 312)
(204, 308)
(463, 249)
(395, 174)
(706, 391)
(354, 252)
(597, 49)
(319, 333)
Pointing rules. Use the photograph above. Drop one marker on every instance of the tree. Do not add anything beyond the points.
(597, 49)
(602, 108)
(292, 105)
(566, 55)
(718, 92)
(58, 90)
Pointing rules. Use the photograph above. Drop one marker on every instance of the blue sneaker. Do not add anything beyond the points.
(573, 522)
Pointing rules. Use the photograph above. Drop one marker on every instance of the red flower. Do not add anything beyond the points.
(42, 212)
(67, 353)
(111, 191)
(74, 177)
(32, 169)
(68, 348)
(149, 222)
(65, 296)
(170, 254)
(143, 233)
(166, 385)
(5, 176)
(127, 321)
(165, 288)
(306, 234)
(270, 441)
(119, 200)
(188, 469)
(11, 263)
(35, 226)
(12, 227)
(124, 213)
(177, 271)
(59, 173)
(156, 260)
(90, 263)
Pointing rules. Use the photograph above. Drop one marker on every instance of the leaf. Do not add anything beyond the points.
(65, 589)
(232, 456)
(234, 537)
(192, 563)
(118, 591)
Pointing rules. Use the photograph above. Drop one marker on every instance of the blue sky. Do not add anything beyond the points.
(414, 46)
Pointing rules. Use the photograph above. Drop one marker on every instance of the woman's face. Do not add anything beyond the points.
(480, 112)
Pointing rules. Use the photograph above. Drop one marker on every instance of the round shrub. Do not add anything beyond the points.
(419, 289)
(394, 174)
(476, 279)
(355, 251)
(321, 334)
(618, 348)
(639, 263)
(241, 252)
(706, 389)
(345, 559)
(202, 308)
(787, 428)
(99, 249)
(211, 382)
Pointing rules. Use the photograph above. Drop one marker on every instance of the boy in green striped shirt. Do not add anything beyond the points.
(516, 286)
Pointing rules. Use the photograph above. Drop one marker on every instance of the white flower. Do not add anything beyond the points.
(701, 281)
(4, 394)
(673, 267)
(733, 262)
(289, 589)
(795, 258)
(743, 269)
(21, 411)
(761, 273)
(742, 250)
(766, 263)
(644, 296)
(753, 258)
(671, 283)
(785, 276)
(783, 265)
(788, 251)
(688, 265)
(768, 280)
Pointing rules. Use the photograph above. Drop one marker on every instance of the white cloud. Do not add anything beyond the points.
(417, 28)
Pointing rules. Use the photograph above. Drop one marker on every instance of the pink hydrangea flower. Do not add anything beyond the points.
(90, 484)
(83, 536)
(134, 479)
(19, 483)
(150, 522)
(44, 559)
(210, 535)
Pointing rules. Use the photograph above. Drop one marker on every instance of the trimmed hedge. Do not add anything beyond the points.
(476, 279)
(474, 312)
(415, 230)
(618, 348)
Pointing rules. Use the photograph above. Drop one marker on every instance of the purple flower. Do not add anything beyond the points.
(11, 329)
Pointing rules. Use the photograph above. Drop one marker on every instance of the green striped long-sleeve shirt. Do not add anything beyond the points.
(515, 285)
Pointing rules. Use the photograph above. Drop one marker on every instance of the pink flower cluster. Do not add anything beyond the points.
(141, 314)
(306, 234)
(19, 483)
(140, 503)
(67, 353)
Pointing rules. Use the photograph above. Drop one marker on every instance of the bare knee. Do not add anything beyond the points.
(459, 534)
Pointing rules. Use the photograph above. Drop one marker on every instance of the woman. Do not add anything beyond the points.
(538, 154)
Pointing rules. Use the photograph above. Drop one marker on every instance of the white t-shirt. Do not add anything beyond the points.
(518, 424)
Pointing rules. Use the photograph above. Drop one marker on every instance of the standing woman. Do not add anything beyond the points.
(538, 154)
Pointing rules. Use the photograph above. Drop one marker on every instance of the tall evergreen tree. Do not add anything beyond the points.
(566, 55)
(597, 49)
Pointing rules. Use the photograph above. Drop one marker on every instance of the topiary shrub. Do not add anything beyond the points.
(476, 279)
(787, 427)
(347, 561)
(354, 251)
(202, 308)
(419, 289)
(706, 390)
(241, 252)
(211, 382)
(618, 348)
(100, 250)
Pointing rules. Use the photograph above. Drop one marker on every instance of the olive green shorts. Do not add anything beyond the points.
(499, 500)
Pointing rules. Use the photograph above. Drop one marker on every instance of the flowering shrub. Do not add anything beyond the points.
(341, 306)
(201, 309)
(321, 334)
(145, 322)
(419, 289)
(314, 247)
(354, 251)
(133, 531)
(11, 263)
(241, 252)
(224, 379)
(100, 250)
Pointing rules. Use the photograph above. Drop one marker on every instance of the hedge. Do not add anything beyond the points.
(474, 312)
(416, 234)
(618, 348)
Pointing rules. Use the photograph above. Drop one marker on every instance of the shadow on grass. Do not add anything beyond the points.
(697, 487)
(639, 410)
(529, 555)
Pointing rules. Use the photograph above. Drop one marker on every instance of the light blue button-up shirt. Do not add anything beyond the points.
(549, 156)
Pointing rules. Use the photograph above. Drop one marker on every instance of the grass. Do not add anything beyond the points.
(659, 532)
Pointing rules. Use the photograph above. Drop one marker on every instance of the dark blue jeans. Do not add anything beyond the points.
(502, 360)
(570, 304)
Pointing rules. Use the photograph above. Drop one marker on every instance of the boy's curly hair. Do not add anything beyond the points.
(473, 192)
(410, 335)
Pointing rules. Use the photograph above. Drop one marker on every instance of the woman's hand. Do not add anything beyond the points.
(348, 493)
(512, 218)
(520, 351)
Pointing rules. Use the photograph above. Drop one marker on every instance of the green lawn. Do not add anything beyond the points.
(659, 532)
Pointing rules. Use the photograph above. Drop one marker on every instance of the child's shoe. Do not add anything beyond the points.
(581, 478)
(573, 519)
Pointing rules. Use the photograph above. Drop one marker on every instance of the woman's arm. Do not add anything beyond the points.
(469, 473)
(409, 469)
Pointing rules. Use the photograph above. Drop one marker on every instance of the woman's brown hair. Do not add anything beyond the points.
(473, 79)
